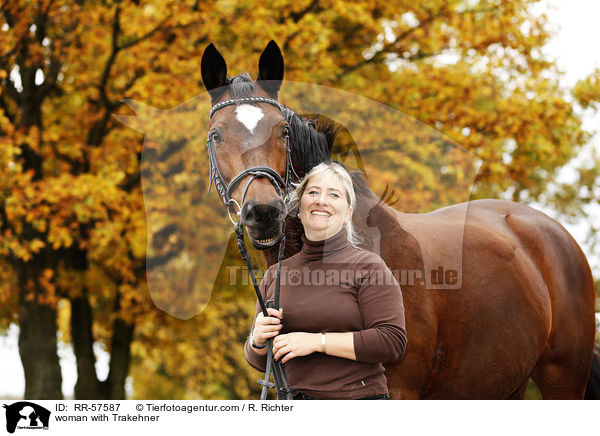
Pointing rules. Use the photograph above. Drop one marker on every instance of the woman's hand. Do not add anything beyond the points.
(290, 345)
(267, 327)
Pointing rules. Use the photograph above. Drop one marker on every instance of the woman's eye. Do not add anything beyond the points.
(335, 195)
(312, 192)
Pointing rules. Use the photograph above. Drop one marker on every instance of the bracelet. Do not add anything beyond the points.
(323, 342)
(253, 345)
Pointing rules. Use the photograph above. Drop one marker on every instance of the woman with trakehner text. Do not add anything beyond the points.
(341, 310)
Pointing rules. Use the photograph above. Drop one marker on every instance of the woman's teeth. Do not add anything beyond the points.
(320, 213)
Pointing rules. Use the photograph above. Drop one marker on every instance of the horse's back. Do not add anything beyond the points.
(549, 246)
(526, 304)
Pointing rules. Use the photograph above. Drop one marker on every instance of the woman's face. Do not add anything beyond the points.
(323, 207)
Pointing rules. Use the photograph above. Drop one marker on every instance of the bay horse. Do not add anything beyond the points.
(525, 305)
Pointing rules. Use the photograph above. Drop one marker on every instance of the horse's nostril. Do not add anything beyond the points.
(247, 209)
(281, 208)
(256, 213)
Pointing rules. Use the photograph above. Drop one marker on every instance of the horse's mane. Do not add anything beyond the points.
(311, 137)
(241, 85)
(311, 140)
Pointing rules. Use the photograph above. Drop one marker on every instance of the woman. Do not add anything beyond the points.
(343, 308)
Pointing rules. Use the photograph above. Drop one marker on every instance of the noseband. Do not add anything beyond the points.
(282, 187)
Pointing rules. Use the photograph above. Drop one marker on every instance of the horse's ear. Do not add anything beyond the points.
(214, 69)
(270, 67)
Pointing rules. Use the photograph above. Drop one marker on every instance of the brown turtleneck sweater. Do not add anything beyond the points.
(333, 286)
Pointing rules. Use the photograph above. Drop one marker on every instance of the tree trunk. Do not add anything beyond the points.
(119, 359)
(87, 387)
(37, 339)
(37, 321)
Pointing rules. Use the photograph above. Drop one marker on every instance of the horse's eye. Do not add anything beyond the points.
(285, 132)
(216, 136)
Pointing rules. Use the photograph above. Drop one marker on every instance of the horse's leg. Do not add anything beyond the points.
(561, 375)
(564, 366)
(519, 394)
(401, 251)
(555, 382)
(406, 379)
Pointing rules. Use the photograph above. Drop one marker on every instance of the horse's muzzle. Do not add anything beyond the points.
(264, 222)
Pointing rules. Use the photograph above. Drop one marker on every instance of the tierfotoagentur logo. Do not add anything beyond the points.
(240, 275)
(26, 416)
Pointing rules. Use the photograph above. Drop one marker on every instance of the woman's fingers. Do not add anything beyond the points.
(278, 343)
(281, 351)
(275, 313)
(291, 345)
(262, 335)
(273, 318)
(288, 356)
(260, 328)
(284, 353)
(270, 320)
(267, 319)
(267, 327)
(270, 333)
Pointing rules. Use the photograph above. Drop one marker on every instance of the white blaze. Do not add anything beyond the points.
(249, 116)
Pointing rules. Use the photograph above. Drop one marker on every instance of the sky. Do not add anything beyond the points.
(573, 48)
(578, 33)
(576, 54)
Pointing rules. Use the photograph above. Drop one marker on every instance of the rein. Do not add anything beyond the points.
(282, 187)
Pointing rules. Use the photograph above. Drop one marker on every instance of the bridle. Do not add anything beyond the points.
(282, 187)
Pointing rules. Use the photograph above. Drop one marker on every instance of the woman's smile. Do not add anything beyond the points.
(324, 207)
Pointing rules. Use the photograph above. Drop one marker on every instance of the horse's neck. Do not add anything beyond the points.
(373, 219)
(293, 241)
(383, 233)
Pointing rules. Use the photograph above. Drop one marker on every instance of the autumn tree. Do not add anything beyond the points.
(579, 200)
(72, 219)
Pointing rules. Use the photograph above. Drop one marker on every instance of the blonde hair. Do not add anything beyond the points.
(343, 177)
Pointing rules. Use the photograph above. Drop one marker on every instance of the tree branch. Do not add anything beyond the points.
(111, 59)
(12, 92)
(41, 22)
(147, 35)
(10, 20)
(297, 16)
(51, 80)
(392, 47)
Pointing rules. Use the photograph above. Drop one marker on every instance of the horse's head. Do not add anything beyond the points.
(248, 143)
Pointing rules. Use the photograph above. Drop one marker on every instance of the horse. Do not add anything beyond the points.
(525, 304)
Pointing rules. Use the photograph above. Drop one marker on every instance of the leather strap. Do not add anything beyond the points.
(282, 187)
